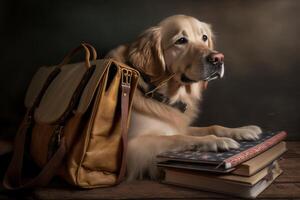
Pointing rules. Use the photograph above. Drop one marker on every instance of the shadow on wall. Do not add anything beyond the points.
(259, 40)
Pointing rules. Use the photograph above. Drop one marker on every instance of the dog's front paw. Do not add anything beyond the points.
(245, 133)
(215, 143)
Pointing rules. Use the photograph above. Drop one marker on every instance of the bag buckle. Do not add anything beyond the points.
(57, 133)
(126, 77)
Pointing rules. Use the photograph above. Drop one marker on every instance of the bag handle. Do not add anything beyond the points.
(85, 47)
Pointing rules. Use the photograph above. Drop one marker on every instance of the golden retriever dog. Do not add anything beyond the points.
(176, 59)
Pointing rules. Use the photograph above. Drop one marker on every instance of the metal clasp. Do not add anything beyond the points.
(126, 77)
(55, 140)
(57, 133)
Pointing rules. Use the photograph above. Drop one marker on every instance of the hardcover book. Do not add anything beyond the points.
(247, 187)
(221, 161)
(247, 168)
(259, 162)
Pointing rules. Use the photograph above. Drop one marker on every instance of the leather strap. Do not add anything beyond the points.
(180, 105)
(152, 91)
(125, 93)
(158, 85)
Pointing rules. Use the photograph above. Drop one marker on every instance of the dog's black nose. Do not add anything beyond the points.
(215, 58)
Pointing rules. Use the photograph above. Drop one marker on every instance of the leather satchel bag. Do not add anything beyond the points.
(76, 123)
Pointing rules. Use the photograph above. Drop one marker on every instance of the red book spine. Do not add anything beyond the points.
(253, 151)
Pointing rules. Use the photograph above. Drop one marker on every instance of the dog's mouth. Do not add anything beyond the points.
(216, 73)
(186, 79)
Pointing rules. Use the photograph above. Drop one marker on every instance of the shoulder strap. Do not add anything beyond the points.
(125, 93)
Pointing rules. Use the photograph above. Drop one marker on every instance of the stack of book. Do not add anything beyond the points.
(243, 172)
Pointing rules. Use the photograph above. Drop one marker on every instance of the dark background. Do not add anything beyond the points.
(260, 40)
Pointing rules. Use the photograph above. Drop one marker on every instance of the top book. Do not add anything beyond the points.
(228, 159)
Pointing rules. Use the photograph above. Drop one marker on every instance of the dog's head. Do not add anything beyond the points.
(179, 44)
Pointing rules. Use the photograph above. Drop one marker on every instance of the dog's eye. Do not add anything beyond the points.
(182, 40)
(204, 38)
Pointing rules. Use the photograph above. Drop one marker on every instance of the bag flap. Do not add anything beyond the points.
(59, 93)
(102, 67)
(57, 97)
(91, 87)
(36, 85)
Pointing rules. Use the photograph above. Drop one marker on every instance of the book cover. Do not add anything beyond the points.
(228, 159)
(193, 166)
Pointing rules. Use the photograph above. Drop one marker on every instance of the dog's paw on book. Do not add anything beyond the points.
(251, 168)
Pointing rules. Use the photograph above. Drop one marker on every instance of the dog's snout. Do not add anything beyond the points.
(215, 67)
(215, 58)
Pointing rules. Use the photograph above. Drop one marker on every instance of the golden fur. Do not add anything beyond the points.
(156, 127)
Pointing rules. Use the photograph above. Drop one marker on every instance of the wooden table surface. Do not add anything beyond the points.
(287, 186)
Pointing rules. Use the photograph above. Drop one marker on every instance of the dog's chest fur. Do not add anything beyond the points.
(152, 117)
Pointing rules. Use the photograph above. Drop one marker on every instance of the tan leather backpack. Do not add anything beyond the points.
(77, 120)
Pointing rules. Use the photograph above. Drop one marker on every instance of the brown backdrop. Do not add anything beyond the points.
(260, 40)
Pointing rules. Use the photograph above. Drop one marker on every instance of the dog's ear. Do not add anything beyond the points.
(146, 53)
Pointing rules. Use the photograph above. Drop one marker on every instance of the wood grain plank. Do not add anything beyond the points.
(282, 190)
(291, 170)
(154, 190)
(293, 150)
(126, 190)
